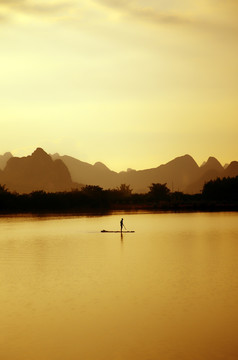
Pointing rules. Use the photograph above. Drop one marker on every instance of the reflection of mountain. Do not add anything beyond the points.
(36, 172)
(4, 159)
(41, 171)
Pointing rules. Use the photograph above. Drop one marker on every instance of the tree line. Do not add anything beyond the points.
(219, 194)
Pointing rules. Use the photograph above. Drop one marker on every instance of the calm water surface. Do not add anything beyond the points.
(168, 291)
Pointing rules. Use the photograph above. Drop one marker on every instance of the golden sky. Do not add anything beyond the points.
(131, 83)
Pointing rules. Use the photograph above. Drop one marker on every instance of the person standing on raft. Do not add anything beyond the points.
(121, 224)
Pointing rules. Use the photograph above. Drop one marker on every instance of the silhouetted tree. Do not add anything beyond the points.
(95, 196)
(159, 192)
(217, 194)
(92, 189)
(221, 189)
(124, 190)
(3, 189)
(177, 196)
(6, 199)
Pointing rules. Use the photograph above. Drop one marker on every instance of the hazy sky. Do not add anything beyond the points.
(131, 83)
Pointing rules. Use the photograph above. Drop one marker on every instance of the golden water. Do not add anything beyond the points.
(168, 291)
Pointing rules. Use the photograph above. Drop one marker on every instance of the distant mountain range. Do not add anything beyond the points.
(41, 171)
(180, 174)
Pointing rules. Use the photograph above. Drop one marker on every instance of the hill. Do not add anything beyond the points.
(4, 159)
(177, 173)
(180, 174)
(87, 174)
(36, 172)
(210, 170)
(52, 173)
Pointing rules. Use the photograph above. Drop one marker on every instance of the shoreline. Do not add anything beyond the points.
(165, 208)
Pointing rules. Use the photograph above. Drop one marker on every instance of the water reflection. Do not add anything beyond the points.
(68, 292)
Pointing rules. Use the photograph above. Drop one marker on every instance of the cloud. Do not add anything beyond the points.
(131, 8)
(194, 16)
(10, 2)
(145, 13)
(9, 8)
(214, 16)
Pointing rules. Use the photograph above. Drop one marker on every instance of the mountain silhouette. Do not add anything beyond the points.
(209, 170)
(212, 164)
(180, 174)
(41, 171)
(177, 174)
(231, 170)
(4, 159)
(36, 172)
(87, 174)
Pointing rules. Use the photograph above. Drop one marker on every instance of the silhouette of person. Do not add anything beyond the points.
(121, 223)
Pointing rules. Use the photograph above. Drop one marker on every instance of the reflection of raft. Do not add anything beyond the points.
(118, 231)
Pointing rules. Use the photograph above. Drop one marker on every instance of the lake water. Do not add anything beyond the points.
(168, 291)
